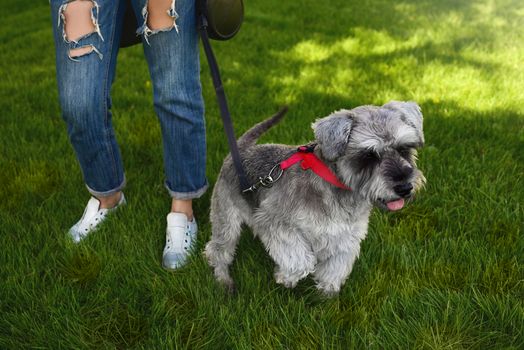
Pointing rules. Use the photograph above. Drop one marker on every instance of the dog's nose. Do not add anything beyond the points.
(403, 190)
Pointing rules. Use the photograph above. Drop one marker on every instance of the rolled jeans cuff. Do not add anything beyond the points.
(108, 193)
(187, 195)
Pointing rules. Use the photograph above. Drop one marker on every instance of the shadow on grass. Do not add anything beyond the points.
(427, 51)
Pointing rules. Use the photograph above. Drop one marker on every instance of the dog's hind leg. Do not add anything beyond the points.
(226, 222)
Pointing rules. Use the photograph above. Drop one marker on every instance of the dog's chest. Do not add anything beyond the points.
(337, 232)
(329, 224)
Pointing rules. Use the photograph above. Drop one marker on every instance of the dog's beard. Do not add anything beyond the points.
(375, 189)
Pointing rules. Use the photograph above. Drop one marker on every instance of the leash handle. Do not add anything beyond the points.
(222, 103)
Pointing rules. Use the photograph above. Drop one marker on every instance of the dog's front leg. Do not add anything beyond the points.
(292, 254)
(331, 273)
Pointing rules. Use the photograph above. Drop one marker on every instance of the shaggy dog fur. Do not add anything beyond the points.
(307, 225)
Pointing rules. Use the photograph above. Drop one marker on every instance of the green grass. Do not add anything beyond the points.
(445, 273)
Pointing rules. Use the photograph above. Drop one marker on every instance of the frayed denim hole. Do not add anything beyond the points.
(146, 31)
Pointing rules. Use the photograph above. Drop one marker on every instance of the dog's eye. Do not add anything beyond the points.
(369, 158)
(405, 152)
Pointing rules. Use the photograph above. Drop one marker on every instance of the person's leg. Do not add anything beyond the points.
(86, 34)
(172, 52)
(182, 206)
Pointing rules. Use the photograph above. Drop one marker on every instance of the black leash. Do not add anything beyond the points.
(222, 103)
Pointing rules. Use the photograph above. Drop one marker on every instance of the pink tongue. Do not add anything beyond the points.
(395, 205)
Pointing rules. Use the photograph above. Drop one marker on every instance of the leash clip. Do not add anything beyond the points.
(266, 181)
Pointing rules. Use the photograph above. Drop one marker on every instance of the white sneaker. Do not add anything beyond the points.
(93, 216)
(181, 236)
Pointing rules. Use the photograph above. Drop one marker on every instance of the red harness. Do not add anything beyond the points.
(309, 160)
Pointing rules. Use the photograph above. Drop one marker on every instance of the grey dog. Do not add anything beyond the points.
(308, 225)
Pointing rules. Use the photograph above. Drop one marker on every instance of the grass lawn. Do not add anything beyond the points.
(447, 272)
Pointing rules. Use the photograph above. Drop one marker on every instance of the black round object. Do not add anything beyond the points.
(224, 18)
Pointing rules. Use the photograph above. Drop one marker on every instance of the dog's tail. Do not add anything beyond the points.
(251, 136)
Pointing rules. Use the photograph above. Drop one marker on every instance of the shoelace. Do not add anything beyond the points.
(86, 225)
(173, 243)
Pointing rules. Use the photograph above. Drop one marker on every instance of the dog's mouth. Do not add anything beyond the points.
(393, 205)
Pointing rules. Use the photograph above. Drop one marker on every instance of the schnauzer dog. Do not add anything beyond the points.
(309, 225)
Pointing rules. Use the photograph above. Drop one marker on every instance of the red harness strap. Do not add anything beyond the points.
(309, 160)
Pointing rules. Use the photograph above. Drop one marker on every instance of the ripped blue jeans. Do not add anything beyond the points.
(84, 85)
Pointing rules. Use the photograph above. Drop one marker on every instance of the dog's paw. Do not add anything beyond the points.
(287, 284)
(231, 288)
(328, 290)
(329, 294)
(285, 280)
(228, 285)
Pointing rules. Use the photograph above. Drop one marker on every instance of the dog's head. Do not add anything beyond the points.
(374, 150)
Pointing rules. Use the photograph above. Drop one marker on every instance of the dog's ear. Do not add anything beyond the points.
(410, 113)
(332, 133)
